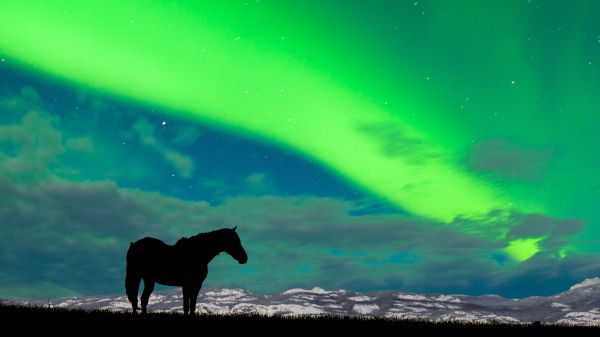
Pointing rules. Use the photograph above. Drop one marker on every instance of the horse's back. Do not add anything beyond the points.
(146, 248)
(163, 263)
(148, 242)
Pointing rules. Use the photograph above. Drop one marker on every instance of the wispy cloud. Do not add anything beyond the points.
(506, 159)
(186, 135)
(146, 134)
(29, 147)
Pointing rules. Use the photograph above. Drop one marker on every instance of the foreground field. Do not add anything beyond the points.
(54, 320)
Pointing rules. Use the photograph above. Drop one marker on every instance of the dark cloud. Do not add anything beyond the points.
(506, 159)
(545, 275)
(556, 232)
(395, 140)
(75, 235)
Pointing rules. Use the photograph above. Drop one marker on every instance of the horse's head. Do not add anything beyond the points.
(233, 246)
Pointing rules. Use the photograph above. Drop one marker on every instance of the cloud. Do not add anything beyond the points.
(146, 134)
(506, 159)
(184, 164)
(29, 147)
(556, 232)
(258, 183)
(394, 140)
(546, 274)
(82, 144)
(186, 135)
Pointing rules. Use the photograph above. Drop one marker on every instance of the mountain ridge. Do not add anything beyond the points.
(580, 305)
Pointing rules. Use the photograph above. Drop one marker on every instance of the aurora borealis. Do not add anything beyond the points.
(416, 145)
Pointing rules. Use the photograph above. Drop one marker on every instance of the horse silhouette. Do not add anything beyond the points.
(182, 264)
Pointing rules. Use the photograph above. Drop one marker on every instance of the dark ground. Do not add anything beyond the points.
(30, 319)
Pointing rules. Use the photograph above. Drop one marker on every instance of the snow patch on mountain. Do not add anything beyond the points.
(587, 318)
(361, 298)
(413, 297)
(278, 309)
(365, 309)
(315, 290)
(586, 283)
(447, 298)
(117, 306)
(561, 306)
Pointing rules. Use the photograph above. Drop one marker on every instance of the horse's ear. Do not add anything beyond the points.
(234, 228)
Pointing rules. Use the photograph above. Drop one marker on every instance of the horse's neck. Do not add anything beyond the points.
(207, 248)
(211, 253)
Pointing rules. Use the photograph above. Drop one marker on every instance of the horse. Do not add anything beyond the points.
(183, 264)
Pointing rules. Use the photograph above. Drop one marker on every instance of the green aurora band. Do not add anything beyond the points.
(305, 77)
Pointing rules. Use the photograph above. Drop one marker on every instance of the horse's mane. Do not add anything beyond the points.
(198, 237)
(181, 241)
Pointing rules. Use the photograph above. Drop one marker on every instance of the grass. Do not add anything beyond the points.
(51, 320)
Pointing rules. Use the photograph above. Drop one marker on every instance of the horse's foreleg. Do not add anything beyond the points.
(194, 298)
(148, 288)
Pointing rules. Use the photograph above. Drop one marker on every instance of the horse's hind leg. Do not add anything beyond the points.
(186, 299)
(148, 288)
(132, 285)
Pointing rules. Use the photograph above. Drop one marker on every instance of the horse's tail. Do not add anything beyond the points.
(132, 276)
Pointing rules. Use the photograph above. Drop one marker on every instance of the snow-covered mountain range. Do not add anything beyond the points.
(580, 305)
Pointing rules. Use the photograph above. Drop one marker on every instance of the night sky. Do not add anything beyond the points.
(428, 146)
